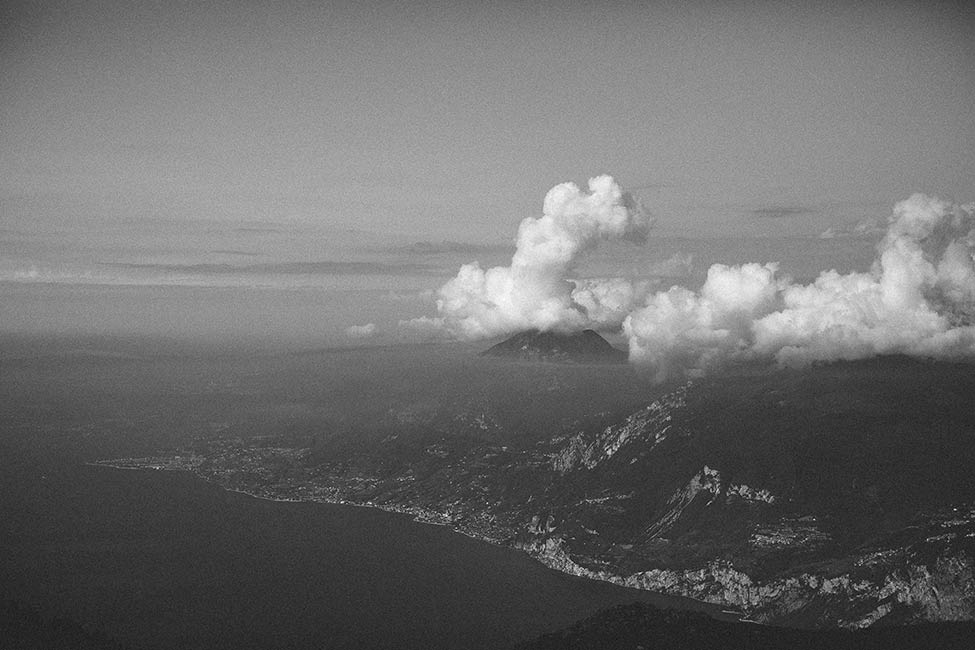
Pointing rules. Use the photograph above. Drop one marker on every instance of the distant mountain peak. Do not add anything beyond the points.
(586, 346)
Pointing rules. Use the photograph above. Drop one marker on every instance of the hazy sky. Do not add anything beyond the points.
(264, 169)
(453, 119)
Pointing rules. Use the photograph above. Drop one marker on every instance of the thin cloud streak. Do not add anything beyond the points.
(781, 211)
(289, 268)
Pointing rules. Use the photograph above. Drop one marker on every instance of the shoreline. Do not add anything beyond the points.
(713, 610)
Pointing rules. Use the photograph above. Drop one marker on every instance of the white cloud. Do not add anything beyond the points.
(679, 329)
(917, 299)
(534, 292)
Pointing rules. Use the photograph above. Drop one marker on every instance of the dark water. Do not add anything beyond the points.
(164, 560)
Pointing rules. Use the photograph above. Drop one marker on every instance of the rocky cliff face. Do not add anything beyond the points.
(796, 498)
(910, 590)
(930, 580)
(647, 428)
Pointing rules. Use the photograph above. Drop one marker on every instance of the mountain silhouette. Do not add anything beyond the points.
(575, 347)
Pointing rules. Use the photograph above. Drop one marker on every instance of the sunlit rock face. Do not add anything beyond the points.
(586, 346)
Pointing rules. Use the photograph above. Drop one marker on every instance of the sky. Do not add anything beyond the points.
(157, 137)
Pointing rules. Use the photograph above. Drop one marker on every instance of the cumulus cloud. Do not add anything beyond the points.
(534, 291)
(361, 331)
(917, 299)
(607, 301)
(679, 329)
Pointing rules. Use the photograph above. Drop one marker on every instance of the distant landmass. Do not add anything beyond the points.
(586, 346)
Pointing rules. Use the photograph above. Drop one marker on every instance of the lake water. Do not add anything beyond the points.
(164, 560)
